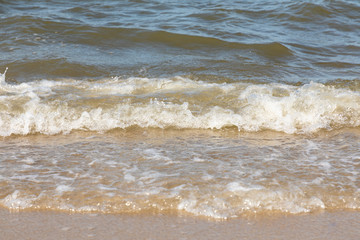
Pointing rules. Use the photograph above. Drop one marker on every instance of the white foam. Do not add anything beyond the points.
(237, 187)
(317, 181)
(2, 76)
(16, 202)
(198, 159)
(325, 165)
(155, 154)
(191, 205)
(28, 161)
(52, 107)
(129, 178)
(306, 109)
(63, 188)
(207, 177)
(203, 210)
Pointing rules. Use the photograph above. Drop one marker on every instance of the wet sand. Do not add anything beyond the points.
(57, 225)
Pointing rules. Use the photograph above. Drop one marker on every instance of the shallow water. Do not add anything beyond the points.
(213, 109)
(218, 174)
(266, 41)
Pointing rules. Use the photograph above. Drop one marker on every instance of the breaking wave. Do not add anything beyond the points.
(62, 106)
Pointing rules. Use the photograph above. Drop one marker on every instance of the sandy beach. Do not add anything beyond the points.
(57, 225)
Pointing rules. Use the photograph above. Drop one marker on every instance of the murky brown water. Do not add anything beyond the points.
(216, 109)
(219, 174)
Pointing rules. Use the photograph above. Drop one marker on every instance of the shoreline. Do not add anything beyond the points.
(60, 225)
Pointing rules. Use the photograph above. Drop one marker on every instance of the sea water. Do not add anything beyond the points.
(215, 109)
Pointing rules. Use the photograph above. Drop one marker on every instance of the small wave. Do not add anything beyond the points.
(53, 107)
(273, 50)
(74, 32)
(311, 9)
(224, 204)
(55, 67)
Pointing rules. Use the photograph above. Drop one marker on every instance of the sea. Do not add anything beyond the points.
(215, 109)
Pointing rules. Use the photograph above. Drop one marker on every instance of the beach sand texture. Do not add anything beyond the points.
(55, 226)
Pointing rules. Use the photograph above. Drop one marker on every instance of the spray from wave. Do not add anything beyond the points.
(61, 106)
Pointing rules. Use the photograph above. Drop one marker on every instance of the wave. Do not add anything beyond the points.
(231, 202)
(75, 32)
(62, 106)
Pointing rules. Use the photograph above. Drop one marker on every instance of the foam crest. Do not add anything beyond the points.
(2, 76)
(16, 201)
(214, 204)
(52, 107)
(300, 109)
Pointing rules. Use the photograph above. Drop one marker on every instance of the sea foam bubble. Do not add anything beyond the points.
(53, 107)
